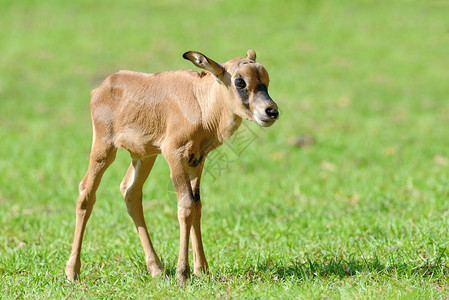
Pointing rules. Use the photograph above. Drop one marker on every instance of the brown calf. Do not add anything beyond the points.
(181, 114)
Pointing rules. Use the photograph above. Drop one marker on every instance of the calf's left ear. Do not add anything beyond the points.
(202, 61)
(251, 54)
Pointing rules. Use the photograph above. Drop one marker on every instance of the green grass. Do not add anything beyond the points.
(361, 213)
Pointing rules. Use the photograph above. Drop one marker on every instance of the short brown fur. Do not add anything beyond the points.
(181, 114)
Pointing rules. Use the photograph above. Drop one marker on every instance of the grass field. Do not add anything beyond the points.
(362, 212)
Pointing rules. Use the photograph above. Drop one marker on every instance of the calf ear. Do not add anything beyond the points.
(202, 61)
(251, 54)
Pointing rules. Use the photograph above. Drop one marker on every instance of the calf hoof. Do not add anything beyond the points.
(183, 276)
(72, 269)
(201, 270)
(155, 270)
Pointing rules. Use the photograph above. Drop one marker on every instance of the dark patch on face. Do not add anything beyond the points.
(243, 90)
(244, 95)
(262, 88)
(262, 92)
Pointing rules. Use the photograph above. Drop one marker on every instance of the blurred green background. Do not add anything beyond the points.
(360, 211)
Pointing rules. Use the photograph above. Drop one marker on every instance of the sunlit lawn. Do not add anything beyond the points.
(360, 210)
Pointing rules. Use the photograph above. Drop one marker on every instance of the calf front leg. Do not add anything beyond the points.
(186, 212)
(199, 259)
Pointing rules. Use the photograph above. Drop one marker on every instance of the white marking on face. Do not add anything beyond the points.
(266, 123)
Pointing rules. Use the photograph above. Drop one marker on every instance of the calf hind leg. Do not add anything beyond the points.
(101, 158)
(131, 188)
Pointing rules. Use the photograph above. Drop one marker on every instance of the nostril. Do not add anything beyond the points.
(273, 113)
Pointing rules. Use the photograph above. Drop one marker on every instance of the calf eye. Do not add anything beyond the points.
(240, 83)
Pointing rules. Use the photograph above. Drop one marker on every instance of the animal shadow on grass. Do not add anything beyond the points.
(269, 269)
(309, 269)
